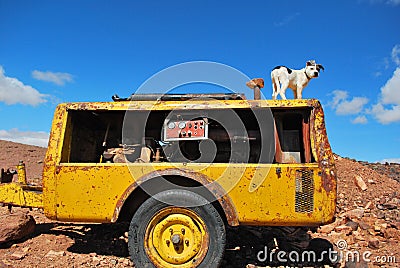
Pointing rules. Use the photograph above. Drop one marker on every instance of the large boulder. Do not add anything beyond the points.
(15, 226)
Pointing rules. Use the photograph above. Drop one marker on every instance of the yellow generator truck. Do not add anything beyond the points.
(180, 168)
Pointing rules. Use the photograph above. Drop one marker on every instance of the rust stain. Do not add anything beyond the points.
(322, 149)
(222, 197)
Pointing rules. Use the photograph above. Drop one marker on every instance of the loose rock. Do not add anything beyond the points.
(360, 183)
(373, 243)
(52, 254)
(15, 226)
(18, 255)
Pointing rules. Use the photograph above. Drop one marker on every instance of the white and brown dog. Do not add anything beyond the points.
(282, 78)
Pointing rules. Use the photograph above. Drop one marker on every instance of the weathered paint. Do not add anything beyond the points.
(20, 193)
(22, 196)
(322, 149)
(21, 173)
(195, 104)
(96, 192)
(256, 194)
(219, 193)
(52, 158)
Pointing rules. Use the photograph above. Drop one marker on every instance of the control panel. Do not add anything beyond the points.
(175, 130)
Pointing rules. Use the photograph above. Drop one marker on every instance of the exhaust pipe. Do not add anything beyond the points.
(256, 84)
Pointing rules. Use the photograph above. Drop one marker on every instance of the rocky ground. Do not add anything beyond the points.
(11, 153)
(367, 222)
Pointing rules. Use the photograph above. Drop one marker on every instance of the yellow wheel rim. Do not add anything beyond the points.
(176, 237)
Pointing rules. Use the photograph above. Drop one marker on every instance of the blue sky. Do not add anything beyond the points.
(66, 51)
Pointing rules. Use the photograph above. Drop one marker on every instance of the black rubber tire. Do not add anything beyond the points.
(182, 198)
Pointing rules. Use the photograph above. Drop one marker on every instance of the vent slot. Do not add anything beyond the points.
(304, 191)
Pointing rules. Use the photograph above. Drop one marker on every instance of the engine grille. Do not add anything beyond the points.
(304, 202)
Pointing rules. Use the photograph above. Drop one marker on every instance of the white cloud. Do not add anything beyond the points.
(39, 138)
(56, 78)
(393, 2)
(343, 106)
(388, 2)
(391, 90)
(287, 20)
(13, 91)
(387, 110)
(396, 53)
(360, 120)
(386, 115)
(353, 106)
(390, 160)
(338, 96)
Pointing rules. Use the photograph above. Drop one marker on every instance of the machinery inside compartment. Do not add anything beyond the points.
(199, 136)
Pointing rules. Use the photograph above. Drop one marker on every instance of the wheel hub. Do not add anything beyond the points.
(176, 236)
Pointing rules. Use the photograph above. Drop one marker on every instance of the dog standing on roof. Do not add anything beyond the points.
(282, 78)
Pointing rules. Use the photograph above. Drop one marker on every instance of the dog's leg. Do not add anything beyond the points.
(284, 86)
(295, 93)
(275, 88)
(273, 91)
(298, 93)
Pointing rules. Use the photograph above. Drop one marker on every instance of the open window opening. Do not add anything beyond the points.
(292, 136)
(200, 136)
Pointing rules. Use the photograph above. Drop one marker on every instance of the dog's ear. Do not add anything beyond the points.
(310, 63)
(319, 66)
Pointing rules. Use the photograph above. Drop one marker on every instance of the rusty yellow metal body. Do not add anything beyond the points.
(253, 194)
(20, 193)
(249, 194)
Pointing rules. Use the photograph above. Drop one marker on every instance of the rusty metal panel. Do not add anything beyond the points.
(166, 170)
(321, 148)
(196, 104)
(273, 202)
(96, 193)
(306, 140)
(53, 156)
(17, 194)
(256, 194)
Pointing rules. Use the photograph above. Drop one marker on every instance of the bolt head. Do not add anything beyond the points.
(176, 239)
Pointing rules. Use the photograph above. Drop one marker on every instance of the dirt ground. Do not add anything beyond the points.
(367, 220)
